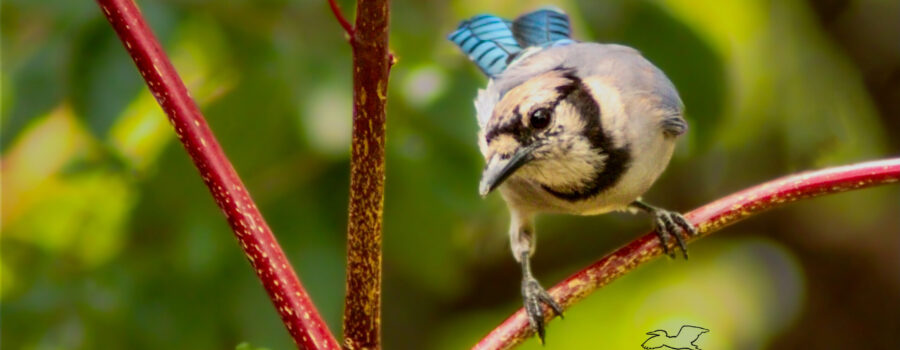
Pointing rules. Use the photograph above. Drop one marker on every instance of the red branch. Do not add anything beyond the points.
(268, 260)
(371, 69)
(340, 18)
(708, 219)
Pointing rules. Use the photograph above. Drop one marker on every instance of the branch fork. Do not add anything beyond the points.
(339, 16)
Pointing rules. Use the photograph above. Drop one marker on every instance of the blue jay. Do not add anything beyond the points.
(568, 127)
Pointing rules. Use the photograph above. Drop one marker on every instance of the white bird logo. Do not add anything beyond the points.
(684, 340)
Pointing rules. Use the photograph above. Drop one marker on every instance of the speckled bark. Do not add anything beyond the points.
(708, 219)
(371, 67)
(259, 245)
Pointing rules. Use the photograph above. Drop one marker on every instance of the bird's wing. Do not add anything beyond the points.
(488, 41)
(543, 28)
(655, 344)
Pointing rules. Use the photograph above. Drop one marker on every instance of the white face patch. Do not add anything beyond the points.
(565, 170)
(569, 155)
(565, 160)
(504, 144)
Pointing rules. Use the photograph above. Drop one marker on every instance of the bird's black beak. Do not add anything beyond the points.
(498, 170)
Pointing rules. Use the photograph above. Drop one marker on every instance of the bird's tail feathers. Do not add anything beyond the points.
(493, 43)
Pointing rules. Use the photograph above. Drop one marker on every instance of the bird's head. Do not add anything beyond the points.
(658, 332)
(547, 130)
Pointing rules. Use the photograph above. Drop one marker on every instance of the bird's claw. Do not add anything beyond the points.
(672, 224)
(533, 295)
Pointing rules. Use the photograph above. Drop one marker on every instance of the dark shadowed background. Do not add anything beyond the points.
(111, 241)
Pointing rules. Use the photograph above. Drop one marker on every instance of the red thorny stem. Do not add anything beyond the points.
(262, 250)
(372, 63)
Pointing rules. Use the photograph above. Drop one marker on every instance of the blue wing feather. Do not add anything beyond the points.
(488, 41)
(543, 28)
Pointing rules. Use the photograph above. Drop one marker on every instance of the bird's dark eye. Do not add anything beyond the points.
(540, 118)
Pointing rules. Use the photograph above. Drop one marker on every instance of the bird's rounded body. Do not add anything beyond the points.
(635, 99)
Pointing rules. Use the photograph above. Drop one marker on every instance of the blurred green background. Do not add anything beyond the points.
(111, 241)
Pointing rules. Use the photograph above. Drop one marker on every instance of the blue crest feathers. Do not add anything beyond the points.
(493, 42)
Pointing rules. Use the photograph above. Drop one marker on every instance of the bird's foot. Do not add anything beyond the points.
(672, 224)
(533, 295)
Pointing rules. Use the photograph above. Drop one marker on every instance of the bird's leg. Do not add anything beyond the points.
(668, 223)
(533, 295)
(522, 244)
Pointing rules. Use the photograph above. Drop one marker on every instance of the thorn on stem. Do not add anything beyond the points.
(392, 60)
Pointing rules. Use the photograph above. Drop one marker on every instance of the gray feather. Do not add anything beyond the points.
(630, 73)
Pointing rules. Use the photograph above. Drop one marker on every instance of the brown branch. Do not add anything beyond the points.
(341, 19)
(708, 219)
(259, 245)
(371, 68)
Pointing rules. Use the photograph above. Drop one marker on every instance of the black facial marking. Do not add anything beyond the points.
(618, 159)
(567, 89)
(605, 175)
(513, 127)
